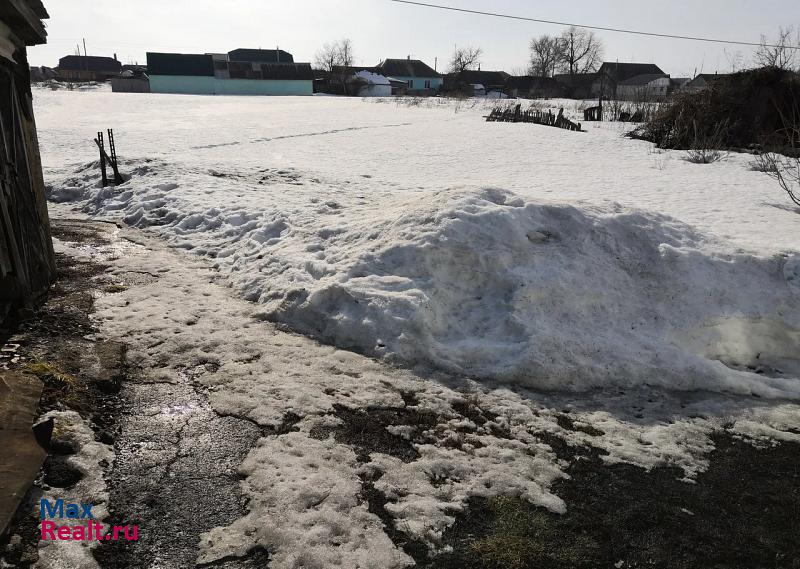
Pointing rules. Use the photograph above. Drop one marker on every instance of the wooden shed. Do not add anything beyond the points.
(27, 264)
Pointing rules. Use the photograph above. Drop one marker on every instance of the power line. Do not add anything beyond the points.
(618, 30)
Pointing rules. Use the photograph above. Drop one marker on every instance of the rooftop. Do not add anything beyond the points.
(261, 55)
(621, 71)
(406, 68)
(484, 77)
(24, 17)
(89, 63)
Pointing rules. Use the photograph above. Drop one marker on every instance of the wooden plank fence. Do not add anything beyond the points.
(535, 116)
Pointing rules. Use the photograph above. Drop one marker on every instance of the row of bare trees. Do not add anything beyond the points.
(575, 50)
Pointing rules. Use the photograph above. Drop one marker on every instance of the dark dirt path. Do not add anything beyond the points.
(176, 478)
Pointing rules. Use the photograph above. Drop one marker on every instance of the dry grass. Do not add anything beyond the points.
(69, 389)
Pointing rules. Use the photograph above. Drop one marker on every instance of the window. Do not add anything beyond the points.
(428, 84)
(410, 83)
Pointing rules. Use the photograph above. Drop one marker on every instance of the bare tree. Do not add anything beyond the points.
(333, 55)
(465, 58)
(547, 53)
(336, 59)
(781, 52)
(582, 51)
(735, 60)
(783, 164)
(327, 57)
(784, 168)
(346, 53)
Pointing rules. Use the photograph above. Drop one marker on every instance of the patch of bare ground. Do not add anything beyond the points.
(743, 512)
(79, 372)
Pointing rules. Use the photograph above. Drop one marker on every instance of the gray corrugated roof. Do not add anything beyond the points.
(405, 68)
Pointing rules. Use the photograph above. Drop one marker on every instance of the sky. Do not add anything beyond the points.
(382, 29)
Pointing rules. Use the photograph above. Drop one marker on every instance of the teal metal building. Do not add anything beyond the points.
(239, 72)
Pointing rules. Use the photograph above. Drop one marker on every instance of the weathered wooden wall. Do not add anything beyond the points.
(27, 264)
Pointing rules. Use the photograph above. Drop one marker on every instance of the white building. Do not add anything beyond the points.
(373, 85)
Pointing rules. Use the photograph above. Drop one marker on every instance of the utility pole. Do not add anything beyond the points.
(85, 58)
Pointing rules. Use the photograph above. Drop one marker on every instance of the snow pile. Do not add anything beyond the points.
(372, 78)
(483, 283)
(305, 483)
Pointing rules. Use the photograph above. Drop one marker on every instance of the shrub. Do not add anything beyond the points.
(750, 104)
(707, 147)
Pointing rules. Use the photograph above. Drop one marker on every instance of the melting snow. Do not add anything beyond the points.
(372, 227)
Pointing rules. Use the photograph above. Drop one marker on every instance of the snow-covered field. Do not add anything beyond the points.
(524, 257)
(424, 235)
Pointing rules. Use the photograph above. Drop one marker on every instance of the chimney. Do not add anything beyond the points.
(408, 57)
(115, 57)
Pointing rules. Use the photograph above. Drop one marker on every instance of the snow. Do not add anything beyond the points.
(372, 78)
(514, 286)
(91, 459)
(183, 316)
(517, 255)
(305, 499)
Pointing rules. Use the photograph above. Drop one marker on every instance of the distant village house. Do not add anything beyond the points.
(88, 68)
(530, 87)
(579, 85)
(612, 73)
(647, 87)
(703, 80)
(405, 77)
(476, 82)
(419, 77)
(372, 84)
